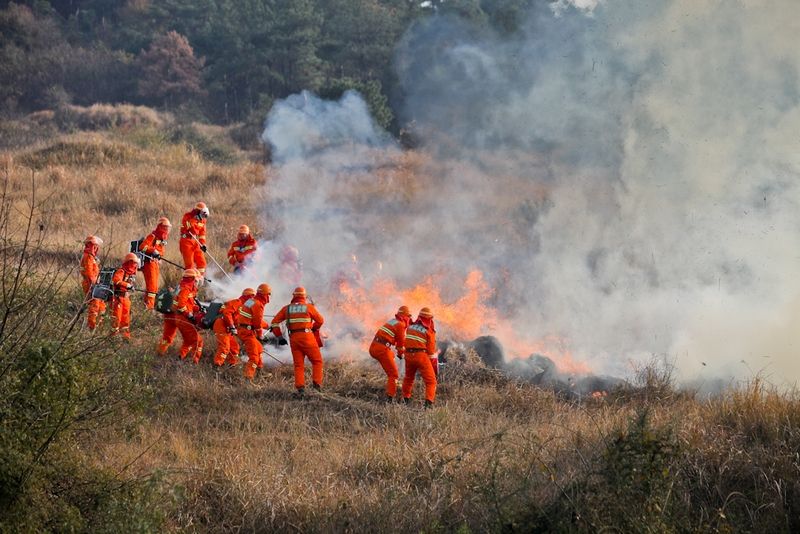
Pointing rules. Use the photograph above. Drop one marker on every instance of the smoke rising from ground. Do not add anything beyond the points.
(624, 173)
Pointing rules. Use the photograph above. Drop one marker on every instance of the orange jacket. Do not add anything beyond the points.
(240, 249)
(299, 315)
(155, 242)
(122, 280)
(394, 333)
(90, 267)
(419, 338)
(251, 315)
(230, 311)
(185, 301)
(192, 226)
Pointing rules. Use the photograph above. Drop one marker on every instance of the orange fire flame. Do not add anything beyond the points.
(460, 319)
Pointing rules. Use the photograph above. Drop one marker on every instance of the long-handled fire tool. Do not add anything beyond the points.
(212, 258)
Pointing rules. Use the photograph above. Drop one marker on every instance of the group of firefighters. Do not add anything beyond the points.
(241, 320)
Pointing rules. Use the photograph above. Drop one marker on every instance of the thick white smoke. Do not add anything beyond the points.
(625, 174)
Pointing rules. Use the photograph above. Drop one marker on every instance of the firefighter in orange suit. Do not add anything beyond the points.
(182, 319)
(90, 273)
(251, 328)
(420, 348)
(153, 249)
(225, 329)
(393, 333)
(122, 283)
(193, 238)
(241, 249)
(303, 322)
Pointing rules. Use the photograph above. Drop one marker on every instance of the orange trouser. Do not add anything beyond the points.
(121, 316)
(94, 306)
(419, 361)
(253, 348)
(193, 257)
(150, 270)
(384, 355)
(227, 346)
(304, 345)
(192, 342)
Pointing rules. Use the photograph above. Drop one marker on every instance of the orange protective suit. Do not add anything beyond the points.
(182, 320)
(239, 252)
(391, 333)
(251, 330)
(420, 346)
(193, 235)
(153, 245)
(304, 322)
(90, 272)
(227, 346)
(122, 283)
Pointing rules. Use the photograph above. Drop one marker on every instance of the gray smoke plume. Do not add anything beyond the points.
(624, 173)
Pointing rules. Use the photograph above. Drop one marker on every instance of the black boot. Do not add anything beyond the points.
(389, 400)
(316, 386)
(299, 394)
(406, 400)
(428, 404)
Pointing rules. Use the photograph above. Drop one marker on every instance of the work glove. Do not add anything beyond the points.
(203, 248)
(282, 341)
(190, 317)
(232, 330)
(156, 255)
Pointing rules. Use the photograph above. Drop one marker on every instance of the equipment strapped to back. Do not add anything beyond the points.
(212, 313)
(102, 289)
(164, 299)
(135, 246)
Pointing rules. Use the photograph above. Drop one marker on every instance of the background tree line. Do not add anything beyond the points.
(221, 61)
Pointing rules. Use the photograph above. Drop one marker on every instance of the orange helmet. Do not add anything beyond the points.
(244, 229)
(264, 289)
(191, 273)
(299, 292)
(426, 312)
(249, 292)
(163, 221)
(202, 209)
(93, 239)
(130, 256)
(403, 310)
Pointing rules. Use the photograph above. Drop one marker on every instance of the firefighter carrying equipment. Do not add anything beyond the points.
(122, 283)
(303, 322)
(193, 238)
(151, 249)
(225, 330)
(251, 326)
(181, 319)
(391, 333)
(90, 277)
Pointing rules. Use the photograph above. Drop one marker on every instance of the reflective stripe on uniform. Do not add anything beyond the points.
(388, 331)
(245, 314)
(416, 338)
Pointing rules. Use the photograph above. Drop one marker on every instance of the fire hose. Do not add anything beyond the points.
(212, 258)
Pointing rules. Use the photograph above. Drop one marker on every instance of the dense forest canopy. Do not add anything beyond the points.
(222, 61)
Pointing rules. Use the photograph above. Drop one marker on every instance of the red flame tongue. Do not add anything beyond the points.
(461, 319)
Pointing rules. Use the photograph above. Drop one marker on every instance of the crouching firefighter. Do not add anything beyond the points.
(122, 283)
(393, 333)
(182, 319)
(239, 254)
(420, 350)
(90, 273)
(252, 327)
(153, 249)
(225, 329)
(303, 322)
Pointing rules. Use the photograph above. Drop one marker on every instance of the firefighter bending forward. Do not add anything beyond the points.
(181, 319)
(193, 238)
(225, 329)
(303, 321)
(90, 272)
(122, 282)
(420, 348)
(153, 248)
(391, 333)
(241, 250)
(251, 328)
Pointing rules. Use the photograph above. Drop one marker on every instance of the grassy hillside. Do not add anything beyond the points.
(204, 450)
